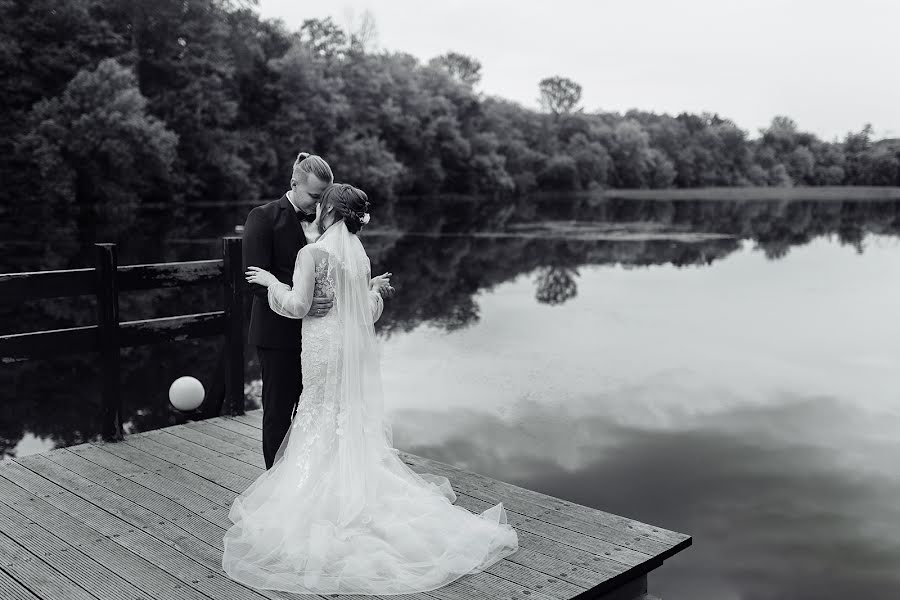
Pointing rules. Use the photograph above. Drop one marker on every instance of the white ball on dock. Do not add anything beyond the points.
(186, 393)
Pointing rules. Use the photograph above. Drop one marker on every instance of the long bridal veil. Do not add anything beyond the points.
(339, 512)
(353, 378)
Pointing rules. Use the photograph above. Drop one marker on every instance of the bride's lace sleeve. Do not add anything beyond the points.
(376, 303)
(294, 301)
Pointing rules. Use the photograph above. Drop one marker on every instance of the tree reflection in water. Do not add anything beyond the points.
(556, 285)
(443, 252)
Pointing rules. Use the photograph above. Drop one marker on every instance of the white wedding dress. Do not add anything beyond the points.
(339, 512)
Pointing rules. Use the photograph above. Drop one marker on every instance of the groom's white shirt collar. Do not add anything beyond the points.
(290, 197)
(310, 230)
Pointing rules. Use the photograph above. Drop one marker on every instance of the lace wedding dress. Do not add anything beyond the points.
(339, 512)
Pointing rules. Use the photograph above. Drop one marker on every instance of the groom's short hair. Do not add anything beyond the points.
(307, 163)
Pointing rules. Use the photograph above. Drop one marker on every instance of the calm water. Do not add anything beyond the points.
(726, 369)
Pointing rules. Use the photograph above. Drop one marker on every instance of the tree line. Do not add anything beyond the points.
(109, 103)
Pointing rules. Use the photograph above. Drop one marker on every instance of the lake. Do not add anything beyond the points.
(725, 367)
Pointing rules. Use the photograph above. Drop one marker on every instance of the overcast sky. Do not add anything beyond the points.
(832, 65)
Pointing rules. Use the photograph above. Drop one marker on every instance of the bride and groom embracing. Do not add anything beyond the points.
(336, 511)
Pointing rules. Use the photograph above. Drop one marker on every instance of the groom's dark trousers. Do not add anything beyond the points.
(272, 238)
(281, 387)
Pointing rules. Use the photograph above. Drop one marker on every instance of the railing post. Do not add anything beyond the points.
(108, 331)
(233, 284)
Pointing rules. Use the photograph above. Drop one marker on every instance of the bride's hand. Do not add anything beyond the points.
(260, 276)
(382, 285)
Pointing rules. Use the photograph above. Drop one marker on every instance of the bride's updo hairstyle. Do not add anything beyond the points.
(350, 204)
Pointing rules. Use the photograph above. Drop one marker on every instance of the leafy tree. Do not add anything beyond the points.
(244, 95)
(323, 37)
(559, 94)
(592, 160)
(560, 173)
(464, 69)
(96, 145)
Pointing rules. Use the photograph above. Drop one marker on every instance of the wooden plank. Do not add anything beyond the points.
(101, 548)
(133, 462)
(532, 519)
(196, 566)
(188, 506)
(233, 288)
(534, 563)
(555, 562)
(251, 418)
(107, 287)
(233, 438)
(578, 540)
(16, 287)
(553, 516)
(80, 282)
(572, 509)
(526, 576)
(10, 589)
(224, 461)
(602, 574)
(105, 537)
(560, 535)
(156, 491)
(225, 475)
(597, 566)
(128, 500)
(216, 514)
(138, 449)
(205, 550)
(192, 506)
(16, 347)
(458, 590)
(525, 573)
(477, 586)
(219, 445)
(65, 557)
(228, 423)
(518, 572)
(37, 575)
(557, 517)
(171, 329)
(190, 469)
(172, 274)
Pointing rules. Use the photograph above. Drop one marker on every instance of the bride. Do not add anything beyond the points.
(339, 512)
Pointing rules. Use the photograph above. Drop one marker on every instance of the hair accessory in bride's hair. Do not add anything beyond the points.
(365, 219)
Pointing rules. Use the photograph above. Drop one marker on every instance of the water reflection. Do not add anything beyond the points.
(752, 404)
(445, 252)
(727, 369)
(770, 518)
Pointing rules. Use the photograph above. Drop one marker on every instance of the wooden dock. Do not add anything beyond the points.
(143, 519)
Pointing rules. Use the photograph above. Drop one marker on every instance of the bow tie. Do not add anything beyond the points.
(307, 217)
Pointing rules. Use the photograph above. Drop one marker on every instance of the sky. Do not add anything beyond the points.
(830, 65)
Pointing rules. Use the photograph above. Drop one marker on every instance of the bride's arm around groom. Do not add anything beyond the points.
(294, 301)
(291, 301)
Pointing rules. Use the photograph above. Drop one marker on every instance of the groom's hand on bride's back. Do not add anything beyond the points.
(320, 306)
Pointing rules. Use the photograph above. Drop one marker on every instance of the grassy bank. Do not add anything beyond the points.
(818, 193)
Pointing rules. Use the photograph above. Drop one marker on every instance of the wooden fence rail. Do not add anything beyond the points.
(106, 280)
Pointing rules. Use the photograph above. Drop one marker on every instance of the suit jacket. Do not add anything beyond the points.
(272, 239)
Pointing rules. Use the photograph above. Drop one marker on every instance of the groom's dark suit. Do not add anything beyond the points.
(272, 238)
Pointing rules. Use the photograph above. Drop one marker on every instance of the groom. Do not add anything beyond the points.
(273, 234)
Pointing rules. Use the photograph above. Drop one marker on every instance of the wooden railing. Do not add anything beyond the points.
(105, 281)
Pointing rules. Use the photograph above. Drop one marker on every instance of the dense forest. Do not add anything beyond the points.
(109, 103)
